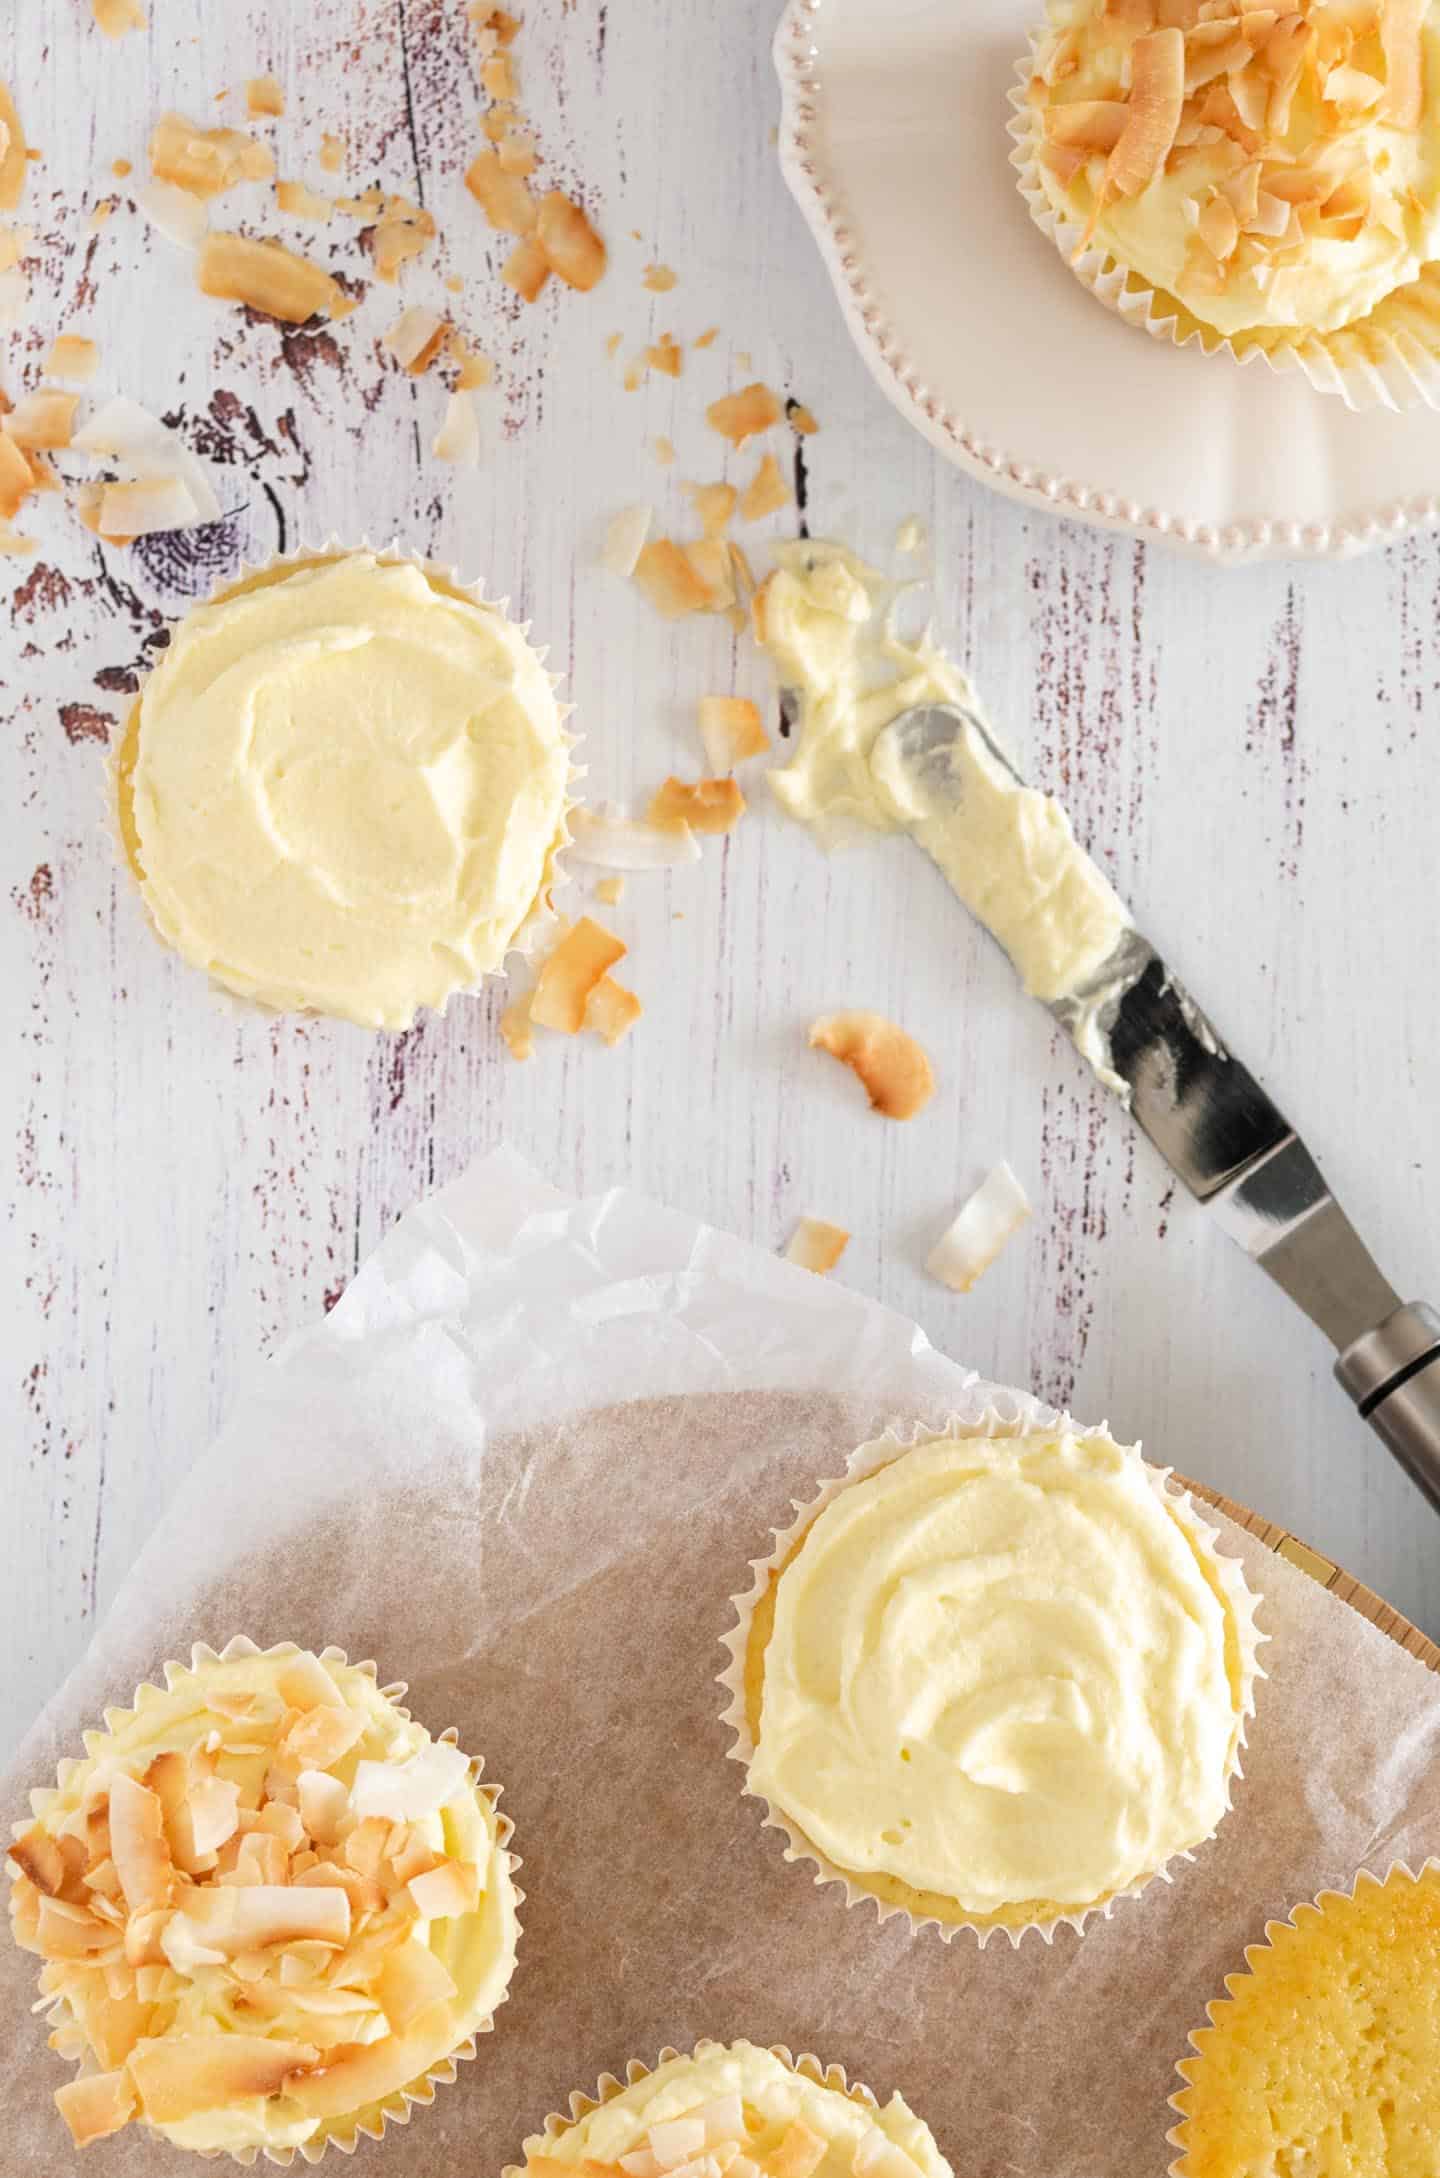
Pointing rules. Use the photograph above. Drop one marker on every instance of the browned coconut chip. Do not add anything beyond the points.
(1157, 93)
(731, 731)
(891, 1066)
(706, 805)
(526, 269)
(115, 17)
(302, 202)
(611, 890)
(137, 1845)
(569, 974)
(183, 2074)
(765, 493)
(332, 153)
(458, 439)
(711, 564)
(415, 339)
(517, 154)
(206, 162)
(101, 2104)
(499, 20)
(13, 162)
(714, 504)
(1401, 26)
(611, 1010)
(573, 248)
(660, 279)
(664, 451)
(669, 580)
(472, 369)
(502, 196)
(411, 1980)
(72, 356)
(497, 78)
(269, 278)
(1086, 124)
(664, 356)
(403, 231)
(739, 416)
(43, 419)
(263, 95)
(517, 1028)
(815, 1245)
(801, 419)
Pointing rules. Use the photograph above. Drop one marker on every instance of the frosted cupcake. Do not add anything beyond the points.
(736, 2112)
(343, 788)
(1324, 2055)
(994, 1681)
(1264, 178)
(272, 1909)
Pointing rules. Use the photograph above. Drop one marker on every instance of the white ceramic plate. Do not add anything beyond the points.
(893, 139)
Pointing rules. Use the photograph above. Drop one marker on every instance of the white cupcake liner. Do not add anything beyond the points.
(894, 1442)
(1188, 2066)
(1388, 359)
(369, 2123)
(540, 920)
(608, 2086)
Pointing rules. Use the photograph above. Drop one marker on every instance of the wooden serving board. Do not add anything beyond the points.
(1326, 1572)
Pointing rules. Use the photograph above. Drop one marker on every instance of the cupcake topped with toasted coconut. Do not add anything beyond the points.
(1274, 170)
(343, 788)
(994, 1680)
(271, 1908)
(736, 2112)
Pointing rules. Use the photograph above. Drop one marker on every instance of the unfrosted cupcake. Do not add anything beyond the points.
(1324, 2054)
(735, 2112)
(1268, 178)
(344, 786)
(994, 1680)
(272, 1909)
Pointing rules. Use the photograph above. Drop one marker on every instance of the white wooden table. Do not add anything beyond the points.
(1252, 754)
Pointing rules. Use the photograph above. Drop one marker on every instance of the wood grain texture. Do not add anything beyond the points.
(1251, 754)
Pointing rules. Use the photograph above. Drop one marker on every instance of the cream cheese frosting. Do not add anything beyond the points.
(1275, 278)
(773, 2096)
(345, 789)
(1007, 850)
(304, 1763)
(1002, 1670)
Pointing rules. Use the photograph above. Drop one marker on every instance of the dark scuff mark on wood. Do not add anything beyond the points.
(36, 899)
(279, 513)
(85, 722)
(802, 473)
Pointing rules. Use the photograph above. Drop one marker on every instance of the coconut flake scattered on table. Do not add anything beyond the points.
(992, 1216)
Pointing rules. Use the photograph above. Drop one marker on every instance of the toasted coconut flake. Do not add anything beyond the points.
(675, 2141)
(612, 1010)
(405, 1792)
(1157, 93)
(269, 278)
(324, 1806)
(517, 1029)
(497, 78)
(17, 480)
(817, 1246)
(659, 279)
(669, 580)
(739, 416)
(664, 356)
(458, 439)
(302, 202)
(14, 546)
(497, 23)
(996, 1211)
(410, 1981)
(664, 451)
(573, 248)
(625, 537)
(526, 269)
(707, 338)
(14, 164)
(799, 2154)
(503, 197)
(766, 491)
(39, 1858)
(66, 1931)
(414, 339)
(179, 2075)
(318, 1738)
(43, 419)
(709, 557)
(517, 154)
(332, 153)
(145, 508)
(1086, 124)
(73, 357)
(566, 979)
(304, 1683)
(891, 1066)
(176, 213)
(1218, 227)
(248, 1916)
(472, 369)
(263, 95)
(102, 2102)
(706, 805)
(403, 231)
(714, 503)
(731, 730)
(137, 1842)
(444, 1892)
(610, 889)
(1401, 28)
(800, 417)
(206, 162)
(604, 841)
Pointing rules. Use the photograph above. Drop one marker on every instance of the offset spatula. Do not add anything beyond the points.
(1236, 1152)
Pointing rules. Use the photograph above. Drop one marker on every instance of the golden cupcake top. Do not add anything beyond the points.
(266, 1901)
(1271, 168)
(343, 788)
(740, 2112)
(1325, 2053)
(1007, 1673)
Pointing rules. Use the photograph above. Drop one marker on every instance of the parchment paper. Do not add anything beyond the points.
(523, 1465)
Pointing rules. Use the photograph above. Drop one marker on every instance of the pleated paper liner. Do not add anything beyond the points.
(1388, 359)
(609, 2087)
(540, 919)
(742, 1680)
(1276, 1938)
(370, 2121)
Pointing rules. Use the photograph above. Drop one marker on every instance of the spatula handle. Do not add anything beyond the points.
(1393, 1376)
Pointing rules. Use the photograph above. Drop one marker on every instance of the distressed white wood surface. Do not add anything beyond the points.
(1252, 754)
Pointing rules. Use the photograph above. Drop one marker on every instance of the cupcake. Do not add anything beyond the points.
(1324, 2055)
(343, 788)
(994, 1680)
(272, 1909)
(735, 2112)
(1267, 179)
